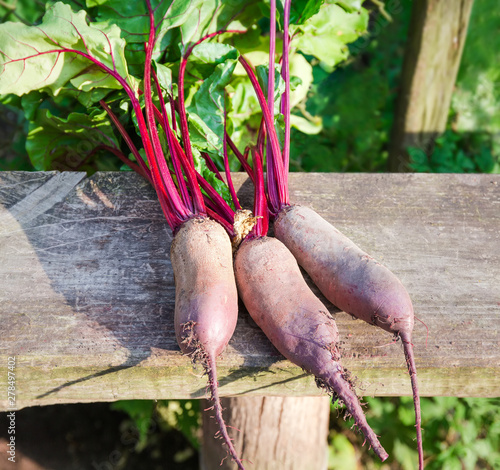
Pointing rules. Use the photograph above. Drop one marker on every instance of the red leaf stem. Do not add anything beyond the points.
(278, 196)
(161, 172)
(241, 158)
(234, 196)
(228, 225)
(145, 171)
(211, 166)
(188, 168)
(125, 160)
(186, 198)
(270, 156)
(261, 137)
(260, 202)
(285, 104)
(223, 208)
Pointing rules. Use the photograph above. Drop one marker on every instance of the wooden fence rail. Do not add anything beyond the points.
(87, 294)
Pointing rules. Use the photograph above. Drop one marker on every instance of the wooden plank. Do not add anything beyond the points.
(434, 48)
(39, 200)
(86, 290)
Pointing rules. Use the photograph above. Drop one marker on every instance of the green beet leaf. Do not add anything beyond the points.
(56, 143)
(46, 57)
(212, 16)
(213, 53)
(133, 20)
(326, 34)
(302, 10)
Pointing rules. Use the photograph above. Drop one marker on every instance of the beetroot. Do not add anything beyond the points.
(295, 320)
(206, 300)
(352, 280)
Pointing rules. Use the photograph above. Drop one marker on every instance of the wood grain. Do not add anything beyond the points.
(87, 295)
(289, 433)
(436, 39)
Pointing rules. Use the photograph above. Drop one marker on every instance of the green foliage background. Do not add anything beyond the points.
(356, 102)
(355, 106)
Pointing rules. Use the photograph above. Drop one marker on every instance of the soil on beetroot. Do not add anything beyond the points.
(89, 436)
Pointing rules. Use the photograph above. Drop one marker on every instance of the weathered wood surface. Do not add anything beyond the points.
(86, 288)
(436, 39)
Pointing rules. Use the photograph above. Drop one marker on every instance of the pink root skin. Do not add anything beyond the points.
(348, 277)
(352, 280)
(206, 300)
(295, 320)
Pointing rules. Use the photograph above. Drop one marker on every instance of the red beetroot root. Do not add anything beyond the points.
(352, 280)
(295, 320)
(206, 300)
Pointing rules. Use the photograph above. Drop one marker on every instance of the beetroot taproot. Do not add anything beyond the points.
(206, 300)
(295, 321)
(352, 280)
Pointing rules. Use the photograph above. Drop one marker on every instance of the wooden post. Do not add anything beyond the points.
(286, 433)
(435, 43)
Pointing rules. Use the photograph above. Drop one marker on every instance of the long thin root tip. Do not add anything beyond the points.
(342, 388)
(380, 452)
(412, 369)
(212, 374)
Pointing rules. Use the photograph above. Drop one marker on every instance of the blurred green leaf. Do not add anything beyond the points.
(66, 143)
(332, 26)
(183, 415)
(405, 456)
(456, 153)
(341, 453)
(141, 414)
(23, 11)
